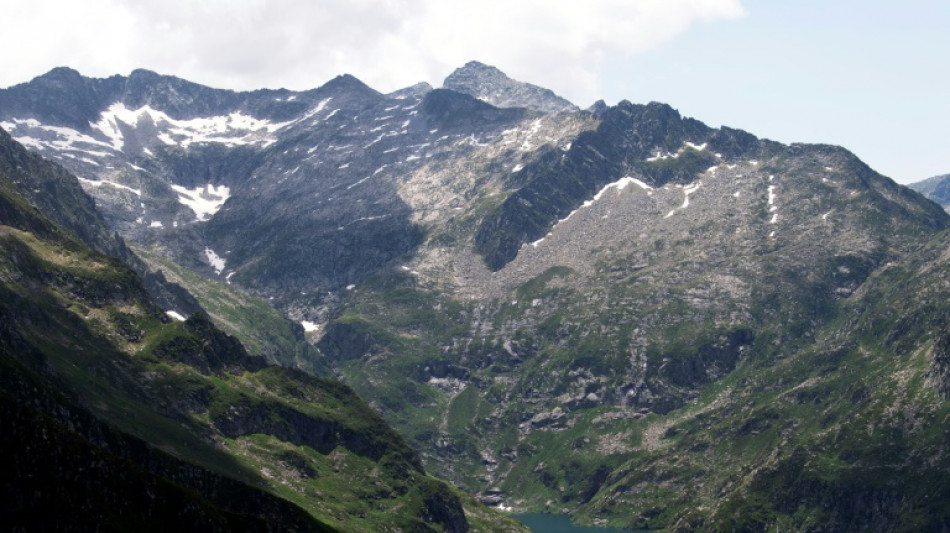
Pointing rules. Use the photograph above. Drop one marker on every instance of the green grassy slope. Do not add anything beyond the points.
(133, 398)
(261, 329)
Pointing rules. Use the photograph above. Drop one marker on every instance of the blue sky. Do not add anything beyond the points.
(872, 76)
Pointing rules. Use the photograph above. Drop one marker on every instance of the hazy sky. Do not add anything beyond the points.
(871, 75)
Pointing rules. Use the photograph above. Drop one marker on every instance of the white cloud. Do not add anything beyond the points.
(387, 43)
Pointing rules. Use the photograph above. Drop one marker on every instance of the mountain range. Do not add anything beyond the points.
(619, 313)
(936, 188)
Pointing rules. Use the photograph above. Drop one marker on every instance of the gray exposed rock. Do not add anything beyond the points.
(493, 86)
(939, 373)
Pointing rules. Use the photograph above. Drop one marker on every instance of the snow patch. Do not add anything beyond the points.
(539, 241)
(204, 201)
(619, 185)
(661, 156)
(155, 224)
(233, 129)
(309, 326)
(95, 183)
(358, 182)
(175, 315)
(216, 262)
(63, 139)
(688, 191)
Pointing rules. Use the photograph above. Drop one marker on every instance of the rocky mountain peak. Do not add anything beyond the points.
(59, 74)
(144, 74)
(418, 90)
(61, 97)
(598, 108)
(347, 83)
(490, 84)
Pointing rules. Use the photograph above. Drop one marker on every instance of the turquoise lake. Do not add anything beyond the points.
(552, 523)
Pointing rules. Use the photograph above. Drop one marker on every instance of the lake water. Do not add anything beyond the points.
(553, 523)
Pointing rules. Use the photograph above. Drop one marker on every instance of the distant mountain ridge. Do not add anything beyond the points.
(936, 188)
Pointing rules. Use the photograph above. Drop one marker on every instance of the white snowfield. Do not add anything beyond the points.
(660, 156)
(216, 262)
(205, 201)
(98, 183)
(232, 129)
(115, 123)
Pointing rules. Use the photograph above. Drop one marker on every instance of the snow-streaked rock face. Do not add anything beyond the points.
(231, 130)
(294, 177)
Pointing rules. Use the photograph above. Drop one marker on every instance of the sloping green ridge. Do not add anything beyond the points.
(261, 329)
(95, 477)
(57, 455)
(201, 419)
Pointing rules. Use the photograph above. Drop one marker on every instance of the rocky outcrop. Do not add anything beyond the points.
(939, 373)
(245, 415)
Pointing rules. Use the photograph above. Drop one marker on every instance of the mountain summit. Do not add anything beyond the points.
(487, 83)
